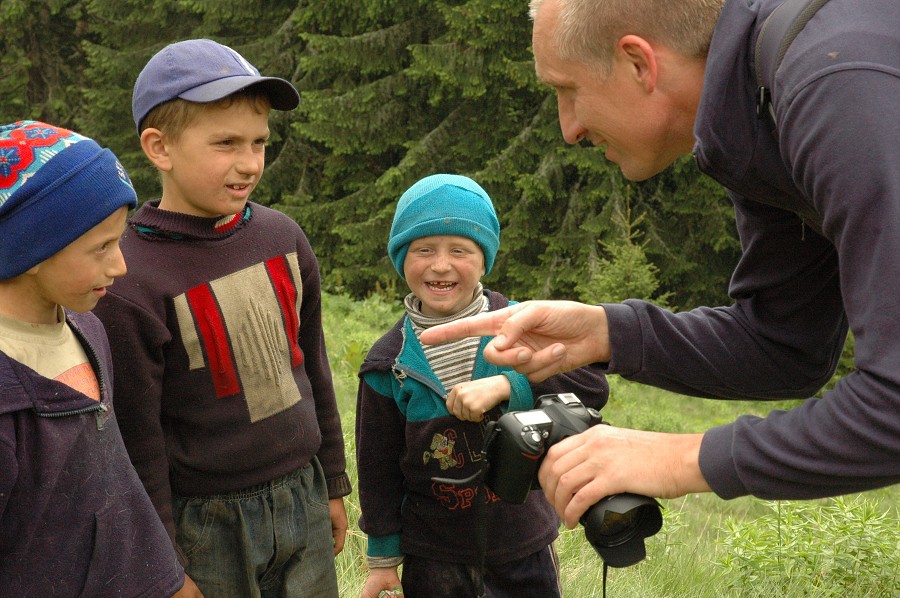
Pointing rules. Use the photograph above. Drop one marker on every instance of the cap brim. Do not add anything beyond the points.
(282, 95)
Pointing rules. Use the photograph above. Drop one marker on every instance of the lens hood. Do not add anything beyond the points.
(617, 525)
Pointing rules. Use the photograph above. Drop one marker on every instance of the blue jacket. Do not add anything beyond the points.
(818, 214)
(74, 517)
(405, 437)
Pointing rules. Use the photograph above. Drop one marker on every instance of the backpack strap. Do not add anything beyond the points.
(777, 32)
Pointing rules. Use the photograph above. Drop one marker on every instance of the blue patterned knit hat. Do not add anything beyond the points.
(55, 185)
(444, 204)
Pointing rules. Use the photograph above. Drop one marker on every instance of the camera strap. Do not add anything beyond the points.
(605, 573)
(481, 504)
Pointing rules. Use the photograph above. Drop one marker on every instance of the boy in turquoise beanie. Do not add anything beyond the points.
(444, 204)
(421, 413)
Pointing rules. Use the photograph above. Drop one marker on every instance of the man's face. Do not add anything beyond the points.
(614, 111)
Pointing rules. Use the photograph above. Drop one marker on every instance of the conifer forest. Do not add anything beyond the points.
(391, 91)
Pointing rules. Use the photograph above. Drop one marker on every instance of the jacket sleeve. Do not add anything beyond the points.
(380, 439)
(795, 294)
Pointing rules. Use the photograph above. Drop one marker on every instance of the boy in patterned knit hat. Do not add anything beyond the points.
(65, 476)
(231, 418)
(421, 414)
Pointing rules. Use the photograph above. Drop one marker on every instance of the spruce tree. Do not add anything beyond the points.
(391, 91)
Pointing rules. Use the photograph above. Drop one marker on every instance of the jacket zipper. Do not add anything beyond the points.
(402, 372)
(100, 407)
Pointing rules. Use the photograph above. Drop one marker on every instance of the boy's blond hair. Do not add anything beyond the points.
(173, 117)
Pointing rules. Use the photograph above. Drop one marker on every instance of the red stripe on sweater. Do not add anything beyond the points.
(215, 340)
(286, 291)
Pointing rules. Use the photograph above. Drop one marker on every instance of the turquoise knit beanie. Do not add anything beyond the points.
(444, 204)
(55, 185)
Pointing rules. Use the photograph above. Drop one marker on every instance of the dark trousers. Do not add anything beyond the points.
(535, 576)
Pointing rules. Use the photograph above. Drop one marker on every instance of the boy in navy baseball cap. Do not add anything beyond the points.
(65, 476)
(232, 422)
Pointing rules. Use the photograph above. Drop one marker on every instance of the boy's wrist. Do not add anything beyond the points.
(384, 562)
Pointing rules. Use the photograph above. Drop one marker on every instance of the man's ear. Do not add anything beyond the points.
(153, 143)
(641, 59)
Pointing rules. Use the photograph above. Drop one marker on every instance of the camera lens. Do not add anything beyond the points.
(617, 525)
(614, 524)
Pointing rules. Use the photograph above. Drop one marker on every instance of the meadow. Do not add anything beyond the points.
(708, 547)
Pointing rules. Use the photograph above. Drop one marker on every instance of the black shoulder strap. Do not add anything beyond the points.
(775, 36)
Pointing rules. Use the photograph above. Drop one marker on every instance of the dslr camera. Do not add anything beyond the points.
(514, 448)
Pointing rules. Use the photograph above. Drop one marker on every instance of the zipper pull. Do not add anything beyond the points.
(101, 416)
(399, 374)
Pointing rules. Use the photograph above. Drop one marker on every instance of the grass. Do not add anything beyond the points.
(696, 553)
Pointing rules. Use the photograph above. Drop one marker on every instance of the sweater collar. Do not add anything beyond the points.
(149, 220)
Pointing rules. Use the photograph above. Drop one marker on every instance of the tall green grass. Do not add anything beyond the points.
(708, 547)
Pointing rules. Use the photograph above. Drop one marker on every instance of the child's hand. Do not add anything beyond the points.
(339, 523)
(188, 590)
(469, 401)
(382, 581)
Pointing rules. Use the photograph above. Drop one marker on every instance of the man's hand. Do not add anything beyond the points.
(471, 400)
(339, 523)
(603, 460)
(537, 338)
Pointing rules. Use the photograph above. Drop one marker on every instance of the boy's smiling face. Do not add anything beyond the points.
(217, 161)
(443, 271)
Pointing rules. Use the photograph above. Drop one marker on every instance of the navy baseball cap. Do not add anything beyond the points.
(201, 70)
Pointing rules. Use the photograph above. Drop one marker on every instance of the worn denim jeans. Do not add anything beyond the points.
(270, 541)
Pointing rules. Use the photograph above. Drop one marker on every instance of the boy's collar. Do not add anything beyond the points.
(154, 222)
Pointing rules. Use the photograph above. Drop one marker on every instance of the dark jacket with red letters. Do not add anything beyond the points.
(405, 436)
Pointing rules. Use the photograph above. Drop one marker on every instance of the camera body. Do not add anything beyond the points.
(515, 444)
(514, 448)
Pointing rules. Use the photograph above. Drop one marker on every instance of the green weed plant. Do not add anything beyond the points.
(846, 546)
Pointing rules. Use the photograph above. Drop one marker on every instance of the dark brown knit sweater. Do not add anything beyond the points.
(222, 377)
